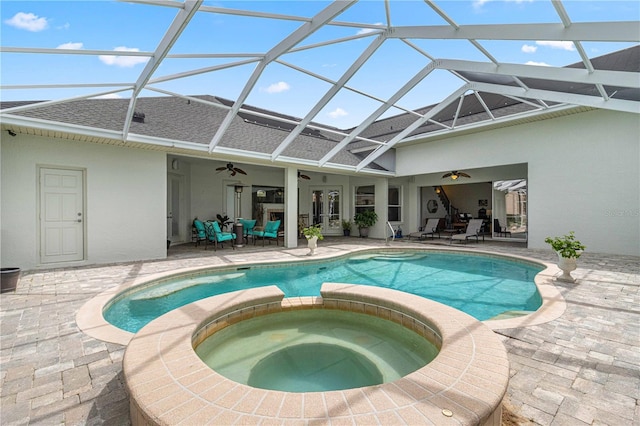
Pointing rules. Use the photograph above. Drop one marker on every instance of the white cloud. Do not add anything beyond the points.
(278, 87)
(337, 113)
(124, 61)
(109, 96)
(477, 4)
(540, 64)
(70, 46)
(529, 49)
(564, 45)
(368, 30)
(28, 21)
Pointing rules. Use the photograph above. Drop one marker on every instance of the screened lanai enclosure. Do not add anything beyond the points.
(455, 65)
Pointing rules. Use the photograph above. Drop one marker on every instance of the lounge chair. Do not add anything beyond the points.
(500, 230)
(430, 228)
(270, 231)
(474, 229)
(215, 235)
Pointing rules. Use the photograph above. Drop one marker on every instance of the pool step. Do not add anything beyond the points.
(511, 314)
(389, 257)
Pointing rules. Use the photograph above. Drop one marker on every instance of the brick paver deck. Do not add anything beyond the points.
(582, 368)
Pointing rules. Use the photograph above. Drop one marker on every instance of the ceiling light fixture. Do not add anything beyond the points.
(301, 176)
(232, 169)
(454, 175)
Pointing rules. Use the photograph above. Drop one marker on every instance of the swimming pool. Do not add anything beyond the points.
(482, 286)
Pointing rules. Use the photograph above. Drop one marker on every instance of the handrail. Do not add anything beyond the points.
(393, 234)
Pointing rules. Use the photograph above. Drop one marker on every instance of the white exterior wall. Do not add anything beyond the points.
(125, 198)
(582, 170)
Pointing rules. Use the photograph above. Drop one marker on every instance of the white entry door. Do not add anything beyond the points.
(175, 200)
(61, 215)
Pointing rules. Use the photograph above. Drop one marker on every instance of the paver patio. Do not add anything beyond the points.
(582, 368)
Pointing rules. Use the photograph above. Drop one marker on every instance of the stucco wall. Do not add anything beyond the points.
(583, 174)
(125, 198)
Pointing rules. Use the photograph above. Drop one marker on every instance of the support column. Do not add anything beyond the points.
(291, 207)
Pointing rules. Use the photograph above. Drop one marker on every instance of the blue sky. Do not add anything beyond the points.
(104, 25)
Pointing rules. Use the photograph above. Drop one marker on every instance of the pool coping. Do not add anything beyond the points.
(169, 384)
(91, 321)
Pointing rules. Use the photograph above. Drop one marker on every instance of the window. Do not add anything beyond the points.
(365, 198)
(394, 211)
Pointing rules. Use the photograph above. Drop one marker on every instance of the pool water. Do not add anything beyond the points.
(315, 351)
(482, 286)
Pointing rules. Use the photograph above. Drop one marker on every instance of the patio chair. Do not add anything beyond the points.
(430, 228)
(474, 229)
(198, 232)
(270, 231)
(247, 228)
(215, 235)
(499, 230)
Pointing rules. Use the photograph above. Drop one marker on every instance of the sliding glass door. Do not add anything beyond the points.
(509, 213)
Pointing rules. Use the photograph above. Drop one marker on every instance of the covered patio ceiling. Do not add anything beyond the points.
(467, 49)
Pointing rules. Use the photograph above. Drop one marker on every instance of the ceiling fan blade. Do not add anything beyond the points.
(233, 172)
(464, 174)
(446, 175)
(305, 177)
(235, 169)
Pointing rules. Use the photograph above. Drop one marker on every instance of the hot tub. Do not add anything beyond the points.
(169, 384)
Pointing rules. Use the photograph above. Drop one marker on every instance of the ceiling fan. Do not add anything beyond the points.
(232, 170)
(455, 175)
(301, 176)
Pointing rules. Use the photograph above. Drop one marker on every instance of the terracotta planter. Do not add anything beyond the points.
(567, 265)
(9, 279)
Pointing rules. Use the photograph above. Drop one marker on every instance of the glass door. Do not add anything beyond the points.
(325, 209)
(509, 213)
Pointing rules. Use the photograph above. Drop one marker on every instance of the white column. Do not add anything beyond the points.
(380, 229)
(291, 207)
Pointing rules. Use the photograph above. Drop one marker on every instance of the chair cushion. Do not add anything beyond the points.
(216, 226)
(248, 225)
(272, 226)
(199, 227)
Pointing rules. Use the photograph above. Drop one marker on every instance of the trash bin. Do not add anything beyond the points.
(9, 279)
(238, 229)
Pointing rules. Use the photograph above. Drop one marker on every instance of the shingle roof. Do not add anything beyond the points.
(181, 119)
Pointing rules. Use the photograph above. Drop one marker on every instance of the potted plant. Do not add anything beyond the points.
(223, 221)
(569, 249)
(364, 220)
(346, 227)
(312, 234)
(9, 279)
